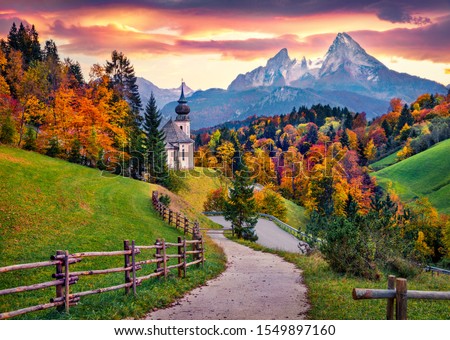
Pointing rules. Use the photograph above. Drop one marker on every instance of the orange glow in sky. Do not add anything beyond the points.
(210, 45)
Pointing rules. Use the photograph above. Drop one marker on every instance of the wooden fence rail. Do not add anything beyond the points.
(175, 218)
(189, 252)
(397, 290)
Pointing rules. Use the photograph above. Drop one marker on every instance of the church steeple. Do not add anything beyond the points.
(182, 108)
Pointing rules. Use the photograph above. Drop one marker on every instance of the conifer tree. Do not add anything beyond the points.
(405, 118)
(241, 207)
(155, 145)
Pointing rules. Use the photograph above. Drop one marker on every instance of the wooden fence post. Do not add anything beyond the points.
(203, 252)
(390, 302)
(177, 223)
(180, 254)
(164, 257)
(58, 272)
(184, 257)
(170, 216)
(66, 281)
(126, 246)
(157, 256)
(401, 299)
(133, 264)
(186, 224)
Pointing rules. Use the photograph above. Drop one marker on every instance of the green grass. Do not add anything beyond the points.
(425, 174)
(48, 204)
(385, 162)
(296, 215)
(330, 294)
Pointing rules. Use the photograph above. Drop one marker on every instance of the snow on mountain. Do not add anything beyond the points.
(346, 76)
(162, 96)
(347, 53)
(280, 70)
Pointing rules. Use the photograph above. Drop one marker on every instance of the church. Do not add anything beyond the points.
(179, 145)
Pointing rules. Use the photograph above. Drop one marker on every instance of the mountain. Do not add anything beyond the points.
(279, 71)
(162, 96)
(346, 76)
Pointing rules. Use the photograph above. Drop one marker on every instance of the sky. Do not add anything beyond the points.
(209, 42)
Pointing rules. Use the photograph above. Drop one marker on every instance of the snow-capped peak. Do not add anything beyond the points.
(345, 52)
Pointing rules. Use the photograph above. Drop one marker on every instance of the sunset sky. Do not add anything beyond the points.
(209, 42)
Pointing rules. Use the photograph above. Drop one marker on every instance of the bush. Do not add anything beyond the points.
(348, 250)
(270, 202)
(165, 199)
(402, 267)
(215, 200)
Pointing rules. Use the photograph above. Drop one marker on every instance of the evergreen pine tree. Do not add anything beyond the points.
(155, 146)
(405, 118)
(387, 128)
(344, 139)
(7, 130)
(30, 139)
(12, 37)
(240, 209)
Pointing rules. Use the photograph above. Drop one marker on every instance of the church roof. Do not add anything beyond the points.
(174, 134)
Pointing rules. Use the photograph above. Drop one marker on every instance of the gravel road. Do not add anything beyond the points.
(269, 234)
(255, 286)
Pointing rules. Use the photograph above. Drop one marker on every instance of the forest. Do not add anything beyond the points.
(320, 157)
(47, 105)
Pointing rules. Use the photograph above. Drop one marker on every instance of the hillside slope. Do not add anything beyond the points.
(425, 174)
(48, 204)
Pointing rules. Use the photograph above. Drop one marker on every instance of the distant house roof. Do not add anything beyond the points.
(174, 134)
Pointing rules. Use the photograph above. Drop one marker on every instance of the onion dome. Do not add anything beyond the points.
(182, 107)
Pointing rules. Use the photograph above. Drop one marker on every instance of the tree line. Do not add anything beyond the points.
(47, 105)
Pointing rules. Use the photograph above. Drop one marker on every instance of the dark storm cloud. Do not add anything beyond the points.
(393, 11)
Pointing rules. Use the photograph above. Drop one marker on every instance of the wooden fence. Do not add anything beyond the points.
(189, 252)
(397, 297)
(176, 219)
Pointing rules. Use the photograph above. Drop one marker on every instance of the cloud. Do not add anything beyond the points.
(393, 11)
(399, 12)
(431, 42)
(447, 71)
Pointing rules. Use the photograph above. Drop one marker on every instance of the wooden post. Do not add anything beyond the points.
(163, 243)
(203, 252)
(58, 272)
(157, 253)
(184, 257)
(186, 224)
(177, 223)
(180, 254)
(66, 281)
(401, 299)
(170, 216)
(133, 264)
(390, 302)
(126, 246)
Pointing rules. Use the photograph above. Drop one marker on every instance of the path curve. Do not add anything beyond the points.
(269, 234)
(255, 286)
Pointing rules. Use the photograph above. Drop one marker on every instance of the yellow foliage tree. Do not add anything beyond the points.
(370, 150)
(406, 151)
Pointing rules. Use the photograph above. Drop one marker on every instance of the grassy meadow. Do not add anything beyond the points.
(425, 174)
(48, 204)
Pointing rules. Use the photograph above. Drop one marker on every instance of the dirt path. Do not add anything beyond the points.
(269, 234)
(255, 286)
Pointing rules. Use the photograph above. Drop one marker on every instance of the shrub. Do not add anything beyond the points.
(215, 200)
(270, 202)
(165, 199)
(348, 250)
